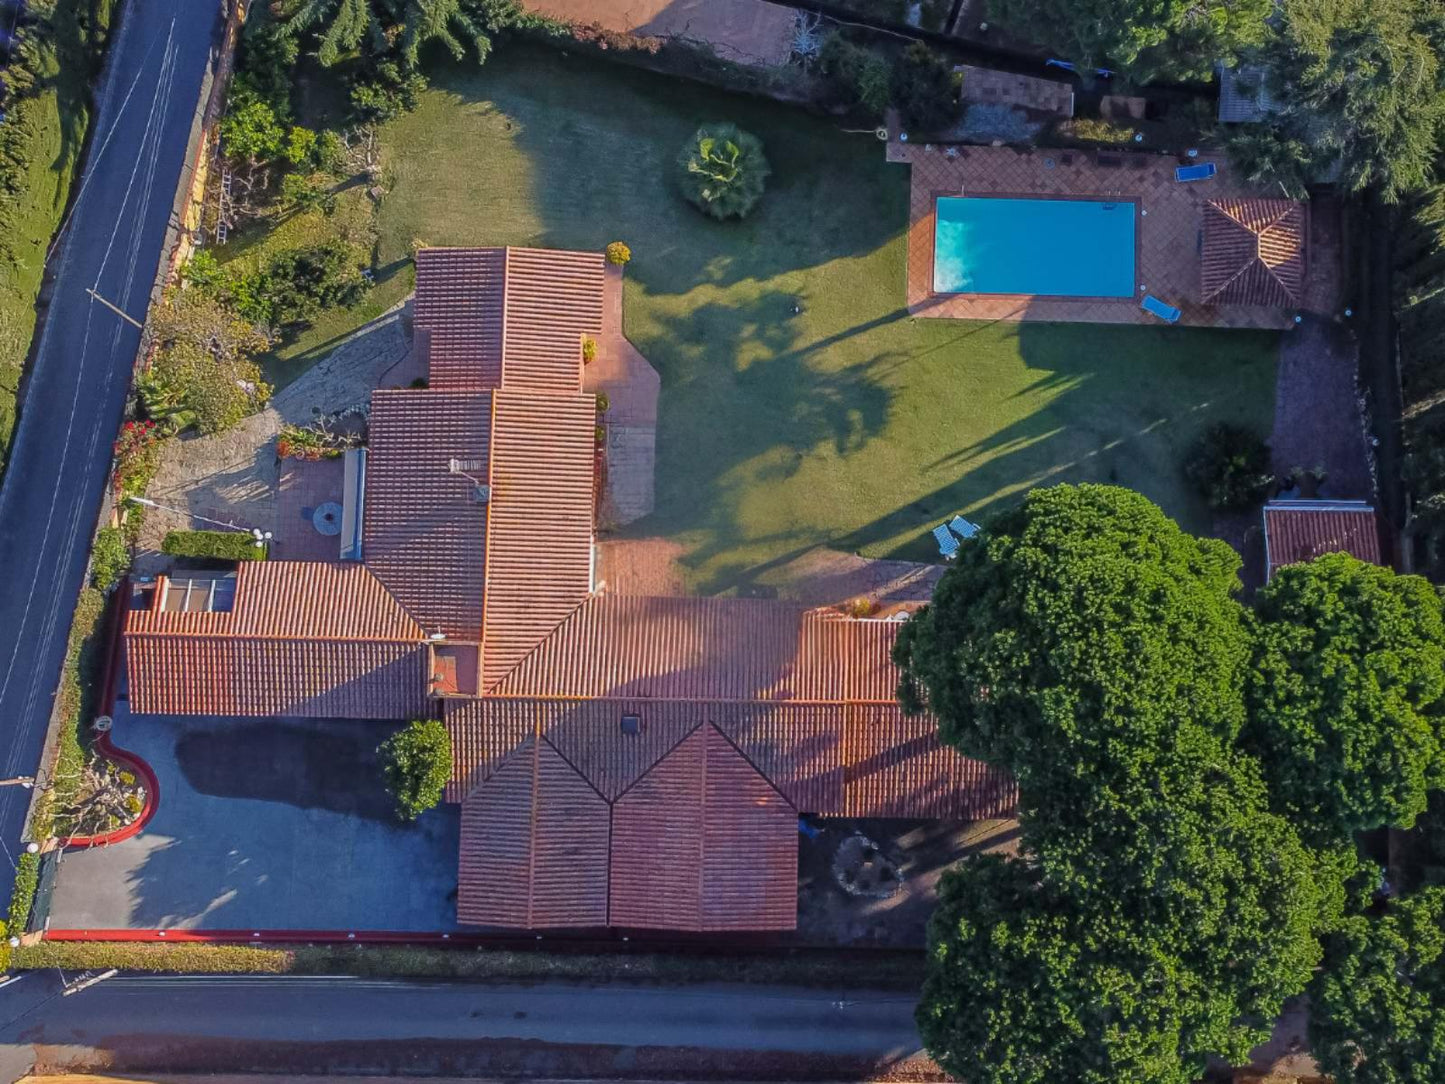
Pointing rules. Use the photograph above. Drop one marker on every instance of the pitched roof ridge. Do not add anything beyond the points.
(271, 637)
(666, 753)
(569, 762)
(539, 645)
(766, 778)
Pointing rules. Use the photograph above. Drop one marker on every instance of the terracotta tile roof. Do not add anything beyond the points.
(302, 638)
(1253, 252)
(1302, 530)
(553, 298)
(458, 315)
(241, 675)
(702, 842)
(534, 846)
(424, 533)
(292, 599)
(832, 759)
(539, 541)
(708, 649)
(507, 317)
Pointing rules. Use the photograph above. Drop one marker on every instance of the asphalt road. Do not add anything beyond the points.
(127, 1012)
(112, 243)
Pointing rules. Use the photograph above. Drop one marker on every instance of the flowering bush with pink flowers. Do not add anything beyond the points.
(137, 456)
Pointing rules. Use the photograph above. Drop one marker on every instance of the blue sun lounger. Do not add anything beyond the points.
(1168, 313)
(962, 527)
(947, 544)
(1201, 172)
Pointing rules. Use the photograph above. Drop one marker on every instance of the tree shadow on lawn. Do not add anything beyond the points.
(601, 141)
(724, 430)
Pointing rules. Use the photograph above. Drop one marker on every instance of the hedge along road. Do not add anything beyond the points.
(111, 243)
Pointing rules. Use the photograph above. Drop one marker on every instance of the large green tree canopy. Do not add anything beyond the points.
(1346, 712)
(1098, 652)
(1361, 83)
(1378, 1007)
(1179, 39)
(378, 26)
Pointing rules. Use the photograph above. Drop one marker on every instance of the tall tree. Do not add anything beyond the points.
(1361, 83)
(378, 26)
(1177, 39)
(1347, 694)
(1097, 651)
(1378, 1007)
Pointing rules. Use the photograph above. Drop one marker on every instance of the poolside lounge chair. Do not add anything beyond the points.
(1168, 313)
(947, 544)
(962, 527)
(1201, 172)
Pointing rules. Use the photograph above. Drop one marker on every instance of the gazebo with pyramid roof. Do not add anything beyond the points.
(1253, 252)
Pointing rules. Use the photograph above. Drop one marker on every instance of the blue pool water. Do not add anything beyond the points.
(1051, 247)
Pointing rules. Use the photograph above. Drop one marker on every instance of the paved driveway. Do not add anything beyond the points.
(264, 824)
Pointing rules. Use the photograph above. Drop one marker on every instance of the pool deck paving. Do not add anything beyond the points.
(1169, 228)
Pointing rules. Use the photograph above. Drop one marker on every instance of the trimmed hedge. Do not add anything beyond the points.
(27, 880)
(220, 545)
(883, 970)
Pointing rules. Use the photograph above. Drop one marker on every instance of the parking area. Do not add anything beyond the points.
(265, 824)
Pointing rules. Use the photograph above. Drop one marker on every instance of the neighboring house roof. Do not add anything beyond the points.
(1244, 96)
(1301, 530)
(476, 585)
(1253, 252)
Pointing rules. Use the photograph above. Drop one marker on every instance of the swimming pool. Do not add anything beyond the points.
(1042, 247)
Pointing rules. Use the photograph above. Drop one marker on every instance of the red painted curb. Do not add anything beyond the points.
(103, 741)
(153, 797)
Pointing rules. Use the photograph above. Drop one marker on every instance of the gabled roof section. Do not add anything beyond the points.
(312, 600)
(539, 542)
(457, 316)
(709, 649)
(302, 638)
(702, 842)
(240, 675)
(534, 846)
(507, 317)
(1301, 530)
(1253, 252)
(553, 298)
(425, 532)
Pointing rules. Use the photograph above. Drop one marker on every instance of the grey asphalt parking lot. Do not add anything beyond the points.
(264, 824)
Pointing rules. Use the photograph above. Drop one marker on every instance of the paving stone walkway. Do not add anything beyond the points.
(233, 477)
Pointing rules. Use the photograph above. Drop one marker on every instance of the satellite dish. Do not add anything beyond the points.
(102, 724)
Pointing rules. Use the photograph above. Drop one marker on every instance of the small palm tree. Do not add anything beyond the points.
(723, 170)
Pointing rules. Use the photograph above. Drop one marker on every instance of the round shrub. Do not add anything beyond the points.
(416, 762)
(1229, 467)
(618, 253)
(723, 171)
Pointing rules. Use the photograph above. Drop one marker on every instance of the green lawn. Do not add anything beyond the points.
(51, 126)
(849, 424)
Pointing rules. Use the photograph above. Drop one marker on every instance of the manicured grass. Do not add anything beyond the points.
(52, 124)
(847, 424)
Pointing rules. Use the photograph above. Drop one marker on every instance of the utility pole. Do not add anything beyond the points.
(127, 317)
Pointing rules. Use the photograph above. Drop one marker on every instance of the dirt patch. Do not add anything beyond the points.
(826, 577)
(641, 566)
(919, 850)
(312, 765)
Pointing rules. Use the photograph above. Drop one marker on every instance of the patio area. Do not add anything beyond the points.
(1169, 223)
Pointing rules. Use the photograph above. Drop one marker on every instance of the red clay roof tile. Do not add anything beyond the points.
(539, 540)
(1253, 252)
(458, 316)
(1302, 530)
(424, 533)
(702, 842)
(534, 846)
(553, 298)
